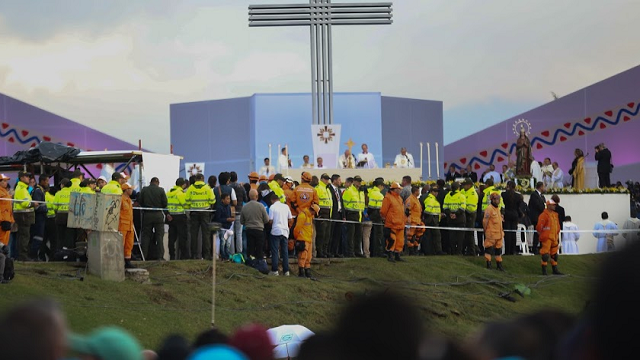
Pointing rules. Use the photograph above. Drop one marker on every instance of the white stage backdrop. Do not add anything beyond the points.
(165, 167)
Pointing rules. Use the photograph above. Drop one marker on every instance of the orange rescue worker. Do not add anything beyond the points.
(493, 231)
(304, 195)
(414, 213)
(6, 213)
(126, 224)
(549, 229)
(392, 212)
(303, 233)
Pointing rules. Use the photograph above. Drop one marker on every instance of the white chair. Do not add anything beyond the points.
(521, 240)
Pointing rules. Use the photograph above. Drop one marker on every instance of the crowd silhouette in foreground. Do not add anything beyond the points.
(604, 328)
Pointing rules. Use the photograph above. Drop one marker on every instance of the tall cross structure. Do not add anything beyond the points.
(319, 16)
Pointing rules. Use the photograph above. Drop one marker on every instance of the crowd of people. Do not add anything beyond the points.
(37, 330)
(278, 217)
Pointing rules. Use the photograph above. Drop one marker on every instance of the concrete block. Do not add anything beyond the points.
(105, 255)
(138, 275)
(99, 212)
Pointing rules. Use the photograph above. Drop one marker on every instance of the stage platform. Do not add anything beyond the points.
(389, 174)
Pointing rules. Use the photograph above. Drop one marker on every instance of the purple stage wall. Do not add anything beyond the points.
(607, 112)
(23, 126)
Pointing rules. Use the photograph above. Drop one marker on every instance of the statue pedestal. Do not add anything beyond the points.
(105, 255)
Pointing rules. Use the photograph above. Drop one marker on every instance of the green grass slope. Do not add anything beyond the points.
(456, 295)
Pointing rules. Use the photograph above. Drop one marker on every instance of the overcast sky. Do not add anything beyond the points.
(116, 65)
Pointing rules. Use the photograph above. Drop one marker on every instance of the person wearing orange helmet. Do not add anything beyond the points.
(548, 227)
(493, 232)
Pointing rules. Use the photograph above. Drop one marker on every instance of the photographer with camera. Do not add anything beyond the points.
(603, 156)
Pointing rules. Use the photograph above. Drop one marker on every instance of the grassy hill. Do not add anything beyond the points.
(456, 295)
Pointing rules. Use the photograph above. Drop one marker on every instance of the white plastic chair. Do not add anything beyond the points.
(521, 240)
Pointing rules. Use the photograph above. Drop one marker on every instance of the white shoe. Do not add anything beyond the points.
(273, 273)
(286, 274)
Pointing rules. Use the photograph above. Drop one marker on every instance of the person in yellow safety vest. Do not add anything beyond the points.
(353, 200)
(432, 215)
(373, 209)
(114, 186)
(276, 186)
(198, 200)
(414, 218)
(66, 236)
(488, 190)
(24, 215)
(471, 198)
(50, 230)
(177, 219)
(454, 207)
(323, 227)
(87, 186)
(76, 178)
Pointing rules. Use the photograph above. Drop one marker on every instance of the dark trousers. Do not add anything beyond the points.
(279, 245)
(376, 247)
(432, 242)
(178, 232)
(200, 223)
(480, 243)
(469, 240)
(323, 233)
(24, 221)
(604, 179)
(456, 237)
(153, 234)
(66, 236)
(510, 237)
(444, 235)
(336, 236)
(255, 243)
(51, 237)
(37, 234)
(354, 235)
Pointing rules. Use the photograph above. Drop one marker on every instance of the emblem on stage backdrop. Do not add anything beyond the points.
(326, 143)
(194, 168)
(522, 125)
(326, 134)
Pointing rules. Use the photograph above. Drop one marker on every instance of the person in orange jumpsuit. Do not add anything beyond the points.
(126, 224)
(493, 232)
(253, 180)
(414, 211)
(6, 212)
(549, 229)
(392, 212)
(303, 233)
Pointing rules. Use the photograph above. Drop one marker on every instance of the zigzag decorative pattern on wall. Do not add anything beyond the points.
(559, 134)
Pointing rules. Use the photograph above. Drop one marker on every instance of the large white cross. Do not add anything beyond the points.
(320, 15)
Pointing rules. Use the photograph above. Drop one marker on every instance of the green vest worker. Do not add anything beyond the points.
(176, 203)
(198, 200)
(471, 197)
(114, 186)
(432, 219)
(373, 209)
(353, 200)
(323, 226)
(276, 186)
(454, 207)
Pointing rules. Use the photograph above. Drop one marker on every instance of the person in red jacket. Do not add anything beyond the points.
(392, 213)
(549, 229)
